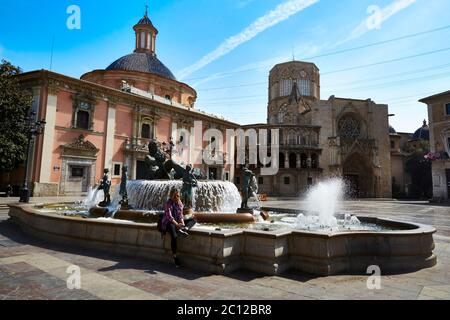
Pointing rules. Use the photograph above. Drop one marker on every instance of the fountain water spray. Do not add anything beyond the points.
(211, 196)
(93, 197)
(322, 202)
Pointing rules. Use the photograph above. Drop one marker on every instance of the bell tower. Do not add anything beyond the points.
(294, 87)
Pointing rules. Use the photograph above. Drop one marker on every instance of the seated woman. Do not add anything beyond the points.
(173, 221)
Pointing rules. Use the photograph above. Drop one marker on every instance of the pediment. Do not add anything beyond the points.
(80, 147)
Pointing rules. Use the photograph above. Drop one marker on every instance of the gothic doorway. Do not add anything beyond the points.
(358, 175)
(352, 183)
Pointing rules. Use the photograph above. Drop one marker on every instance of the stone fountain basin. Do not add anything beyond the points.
(408, 248)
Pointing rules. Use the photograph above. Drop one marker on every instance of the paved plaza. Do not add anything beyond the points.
(34, 269)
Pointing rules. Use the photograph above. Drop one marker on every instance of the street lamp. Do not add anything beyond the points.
(34, 128)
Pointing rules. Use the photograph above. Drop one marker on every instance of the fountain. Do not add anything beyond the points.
(143, 200)
(321, 240)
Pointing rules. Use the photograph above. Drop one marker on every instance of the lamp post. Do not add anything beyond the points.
(34, 128)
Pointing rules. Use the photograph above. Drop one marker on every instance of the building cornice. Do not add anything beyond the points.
(136, 75)
(435, 97)
(280, 126)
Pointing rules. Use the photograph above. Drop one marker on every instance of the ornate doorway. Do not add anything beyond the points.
(78, 166)
(359, 177)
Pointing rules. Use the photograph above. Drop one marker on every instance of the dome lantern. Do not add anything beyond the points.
(145, 35)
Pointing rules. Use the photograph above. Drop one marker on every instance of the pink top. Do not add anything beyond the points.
(172, 210)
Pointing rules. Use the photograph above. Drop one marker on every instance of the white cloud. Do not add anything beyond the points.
(280, 13)
(384, 14)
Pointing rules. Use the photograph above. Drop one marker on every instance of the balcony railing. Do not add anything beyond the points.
(130, 89)
(136, 144)
(300, 145)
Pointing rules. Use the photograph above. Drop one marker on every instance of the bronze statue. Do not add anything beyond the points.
(105, 185)
(187, 191)
(248, 187)
(123, 190)
(158, 165)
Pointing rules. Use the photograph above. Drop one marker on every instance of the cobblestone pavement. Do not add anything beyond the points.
(33, 269)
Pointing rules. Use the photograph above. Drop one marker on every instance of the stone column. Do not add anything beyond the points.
(299, 160)
(309, 161)
(134, 167)
(110, 131)
(48, 136)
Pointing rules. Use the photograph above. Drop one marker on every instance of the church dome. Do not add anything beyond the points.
(145, 21)
(392, 130)
(143, 59)
(422, 133)
(142, 62)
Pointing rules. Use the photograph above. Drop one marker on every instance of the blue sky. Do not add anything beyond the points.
(225, 48)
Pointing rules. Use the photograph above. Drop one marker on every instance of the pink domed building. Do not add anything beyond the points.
(107, 118)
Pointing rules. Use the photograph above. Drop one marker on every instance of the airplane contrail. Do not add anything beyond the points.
(280, 13)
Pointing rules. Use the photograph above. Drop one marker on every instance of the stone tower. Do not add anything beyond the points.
(294, 87)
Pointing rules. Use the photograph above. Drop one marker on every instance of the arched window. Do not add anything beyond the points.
(292, 161)
(304, 86)
(142, 39)
(349, 127)
(146, 131)
(302, 140)
(285, 87)
(304, 161)
(282, 160)
(314, 161)
(83, 120)
(292, 138)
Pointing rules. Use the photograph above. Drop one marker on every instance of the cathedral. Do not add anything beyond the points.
(340, 137)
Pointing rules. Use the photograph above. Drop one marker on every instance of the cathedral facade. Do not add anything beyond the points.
(341, 137)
